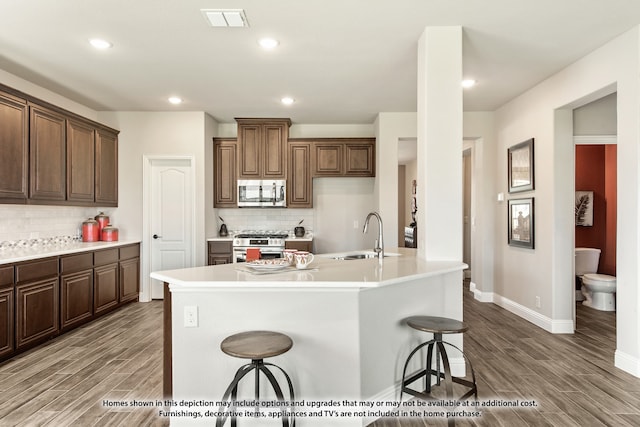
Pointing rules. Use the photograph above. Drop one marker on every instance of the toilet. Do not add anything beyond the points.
(598, 289)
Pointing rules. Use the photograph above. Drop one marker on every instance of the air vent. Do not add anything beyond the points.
(225, 17)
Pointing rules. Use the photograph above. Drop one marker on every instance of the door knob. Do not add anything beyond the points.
(155, 236)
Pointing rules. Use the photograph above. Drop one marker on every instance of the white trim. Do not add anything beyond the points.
(627, 363)
(478, 295)
(147, 160)
(561, 326)
(595, 139)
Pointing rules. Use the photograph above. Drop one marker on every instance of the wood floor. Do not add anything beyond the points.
(119, 358)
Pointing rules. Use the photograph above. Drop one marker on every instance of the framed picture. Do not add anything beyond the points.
(520, 165)
(584, 208)
(521, 224)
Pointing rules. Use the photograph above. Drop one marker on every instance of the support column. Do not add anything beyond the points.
(440, 143)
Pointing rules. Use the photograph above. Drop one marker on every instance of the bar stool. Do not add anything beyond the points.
(438, 326)
(256, 345)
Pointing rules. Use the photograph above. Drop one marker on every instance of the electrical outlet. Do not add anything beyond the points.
(537, 302)
(191, 316)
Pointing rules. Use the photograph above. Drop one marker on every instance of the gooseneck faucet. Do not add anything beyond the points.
(379, 246)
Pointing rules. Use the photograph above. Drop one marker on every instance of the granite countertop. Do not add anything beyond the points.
(27, 253)
(324, 272)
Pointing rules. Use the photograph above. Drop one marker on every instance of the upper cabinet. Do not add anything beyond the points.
(299, 185)
(225, 160)
(14, 149)
(343, 157)
(51, 156)
(47, 160)
(106, 173)
(262, 148)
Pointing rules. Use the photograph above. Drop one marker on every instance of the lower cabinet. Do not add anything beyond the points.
(305, 245)
(105, 285)
(220, 252)
(36, 311)
(76, 298)
(129, 279)
(6, 321)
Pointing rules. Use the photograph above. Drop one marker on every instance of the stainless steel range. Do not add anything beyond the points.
(270, 243)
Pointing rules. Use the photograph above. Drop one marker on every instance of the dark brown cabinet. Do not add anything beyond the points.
(299, 185)
(299, 245)
(334, 157)
(106, 172)
(80, 161)
(6, 311)
(225, 161)
(262, 148)
(47, 151)
(76, 289)
(14, 148)
(105, 280)
(36, 294)
(51, 156)
(220, 252)
(129, 273)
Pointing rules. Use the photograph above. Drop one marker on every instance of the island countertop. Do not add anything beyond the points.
(324, 272)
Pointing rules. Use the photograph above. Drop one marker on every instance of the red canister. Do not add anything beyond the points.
(109, 233)
(103, 221)
(90, 230)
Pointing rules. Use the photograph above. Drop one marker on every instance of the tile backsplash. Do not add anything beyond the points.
(266, 219)
(22, 222)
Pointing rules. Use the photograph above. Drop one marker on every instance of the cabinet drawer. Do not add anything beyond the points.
(34, 270)
(6, 276)
(220, 248)
(128, 252)
(72, 263)
(107, 256)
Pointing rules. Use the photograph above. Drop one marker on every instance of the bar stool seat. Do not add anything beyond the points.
(437, 326)
(257, 346)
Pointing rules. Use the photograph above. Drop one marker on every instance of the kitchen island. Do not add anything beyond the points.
(345, 318)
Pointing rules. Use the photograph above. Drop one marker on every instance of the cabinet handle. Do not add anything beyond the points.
(155, 236)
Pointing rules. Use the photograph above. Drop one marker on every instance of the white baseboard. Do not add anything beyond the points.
(561, 326)
(627, 363)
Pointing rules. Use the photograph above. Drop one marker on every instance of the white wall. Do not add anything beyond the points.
(597, 118)
(544, 113)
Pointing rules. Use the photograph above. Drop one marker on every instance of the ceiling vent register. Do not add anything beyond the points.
(225, 17)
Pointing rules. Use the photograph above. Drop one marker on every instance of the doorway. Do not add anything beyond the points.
(169, 218)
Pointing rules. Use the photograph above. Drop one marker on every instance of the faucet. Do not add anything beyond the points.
(379, 245)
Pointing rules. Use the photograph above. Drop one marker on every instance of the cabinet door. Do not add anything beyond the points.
(250, 144)
(106, 168)
(76, 298)
(360, 159)
(327, 159)
(47, 154)
(220, 252)
(225, 162)
(129, 279)
(105, 288)
(80, 161)
(300, 246)
(274, 156)
(6, 322)
(299, 191)
(14, 148)
(36, 311)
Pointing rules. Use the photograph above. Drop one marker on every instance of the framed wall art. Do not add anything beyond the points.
(584, 208)
(521, 223)
(520, 166)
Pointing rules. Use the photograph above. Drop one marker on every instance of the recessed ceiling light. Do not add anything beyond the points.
(100, 44)
(467, 83)
(175, 100)
(287, 100)
(268, 43)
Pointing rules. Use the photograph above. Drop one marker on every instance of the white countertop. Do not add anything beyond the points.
(36, 252)
(324, 272)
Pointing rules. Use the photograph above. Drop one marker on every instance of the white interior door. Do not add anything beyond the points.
(171, 218)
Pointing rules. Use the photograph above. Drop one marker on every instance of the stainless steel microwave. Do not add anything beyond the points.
(265, 193)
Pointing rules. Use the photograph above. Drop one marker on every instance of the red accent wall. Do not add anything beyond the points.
(596, 171)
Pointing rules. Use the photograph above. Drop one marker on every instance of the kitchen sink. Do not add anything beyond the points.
(363, 255)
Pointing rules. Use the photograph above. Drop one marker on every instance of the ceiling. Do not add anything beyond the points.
(343, 61)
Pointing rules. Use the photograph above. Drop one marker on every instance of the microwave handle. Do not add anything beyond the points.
(274, 193)
(282, 192)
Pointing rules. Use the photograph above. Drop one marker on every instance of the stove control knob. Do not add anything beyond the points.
(236, 242)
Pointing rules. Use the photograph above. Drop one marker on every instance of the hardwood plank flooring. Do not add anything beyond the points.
(119, 357)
